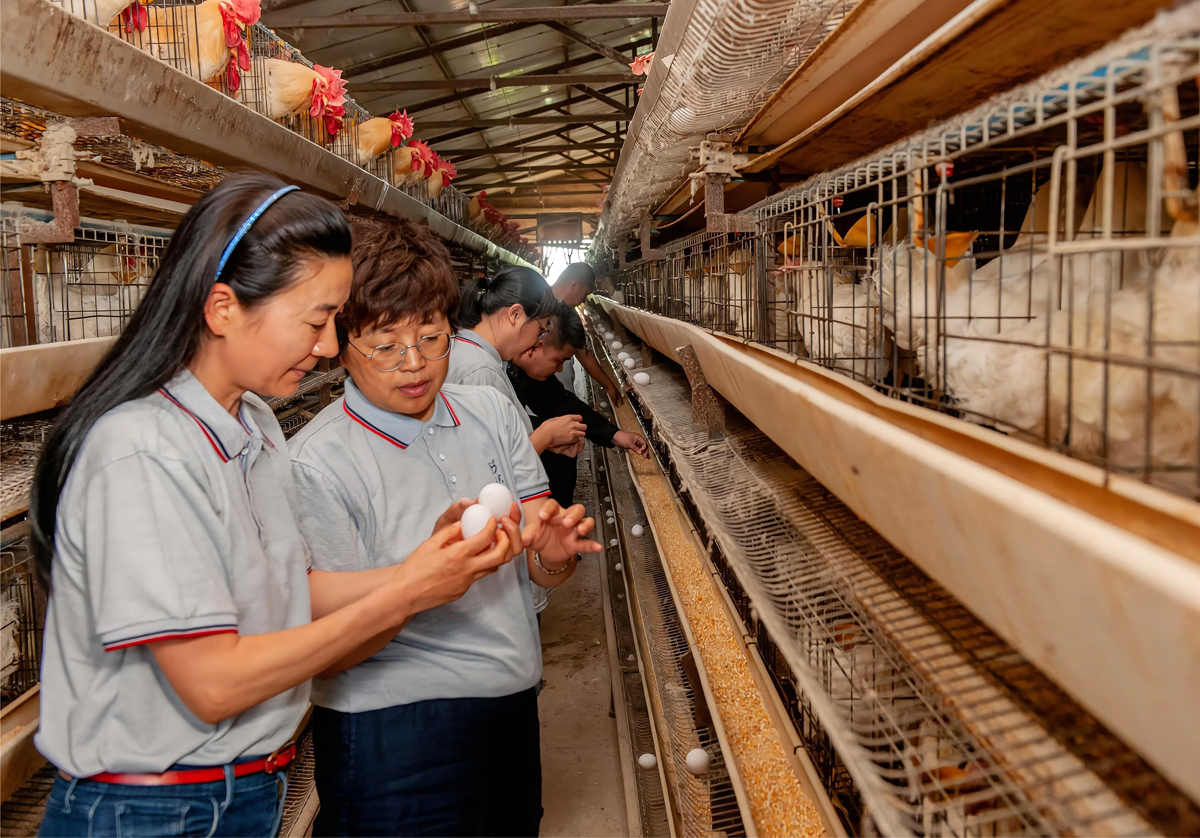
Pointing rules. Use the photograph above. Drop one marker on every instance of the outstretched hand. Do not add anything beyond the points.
(568, 528)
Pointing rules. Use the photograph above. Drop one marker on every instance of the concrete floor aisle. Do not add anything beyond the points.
(582, 790)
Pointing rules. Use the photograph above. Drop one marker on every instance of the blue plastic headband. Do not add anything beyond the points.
(246, 225)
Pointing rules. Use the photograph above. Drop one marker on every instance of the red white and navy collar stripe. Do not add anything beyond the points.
(466, 340)
(207, 430)
(370, 427)
(453, 415)
(375, 419)
(544, 493)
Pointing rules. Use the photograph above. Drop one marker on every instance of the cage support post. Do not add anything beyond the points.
(706, 408)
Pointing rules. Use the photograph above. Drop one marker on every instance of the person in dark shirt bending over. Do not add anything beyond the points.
(533, 378)
(572, 287)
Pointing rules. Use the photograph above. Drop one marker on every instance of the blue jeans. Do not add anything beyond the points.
(453, 766)
(243, 806)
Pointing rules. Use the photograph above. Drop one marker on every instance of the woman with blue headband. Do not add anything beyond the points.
(184, 621)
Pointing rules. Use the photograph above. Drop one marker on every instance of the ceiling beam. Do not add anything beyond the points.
(458, 97)
(504, 170)
(445, 71)
(540, 109)
(580, 190)
(533, 14)
(591, 43)
(600, 97)
(523, 80)
(383, 62)
(504, 184)
(513, 148)
(504, 122)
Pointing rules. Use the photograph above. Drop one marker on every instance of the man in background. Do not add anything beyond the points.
(533, 377)
(572, 287)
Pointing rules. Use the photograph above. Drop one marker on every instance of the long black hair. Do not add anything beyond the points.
(511, 285)
(167, 327)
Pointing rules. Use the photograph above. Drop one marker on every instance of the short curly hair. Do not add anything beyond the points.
(401, 271)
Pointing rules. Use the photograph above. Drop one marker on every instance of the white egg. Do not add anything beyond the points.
(497, 498)
(647, 761)
(637, 530)
(616, 344)
(607, 499)
(613, 543)
(608, 512)
(617, 566)
(604, 404)
(608, 335)
(630, 363)
(475, 519)
(622, 356)
(641, 377)
(697, 761)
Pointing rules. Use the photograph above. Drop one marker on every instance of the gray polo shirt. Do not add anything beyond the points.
(371, 484)
(475, 361)
(175, 521)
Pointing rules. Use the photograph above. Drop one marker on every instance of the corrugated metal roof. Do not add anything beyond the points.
(403, 54)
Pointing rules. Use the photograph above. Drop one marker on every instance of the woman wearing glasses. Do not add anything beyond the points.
(432, 730)
(184, 621)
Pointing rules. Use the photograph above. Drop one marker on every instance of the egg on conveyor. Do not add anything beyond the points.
(617, 566)
(604, 404)
(697, 761)
(637, 530)
(616, 344)
(497, 499)
(608, 335)
(613, 543)
(475, 519)
(621, 356)
(648, 761)
(630, 363)
(641, 377)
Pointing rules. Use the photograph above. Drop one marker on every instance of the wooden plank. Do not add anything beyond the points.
(988, 48)
(19, 759)
(1098, 587)
(875, 35)
(37, 378)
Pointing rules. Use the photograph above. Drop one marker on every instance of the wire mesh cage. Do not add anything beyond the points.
(1033, 267)
(90, 287)
(15, 305)
(22, 614)
(918, 719)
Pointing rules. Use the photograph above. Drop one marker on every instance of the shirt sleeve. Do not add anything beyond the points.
(154, 550)
(327, 520)
(529, 476)
(550, 398)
